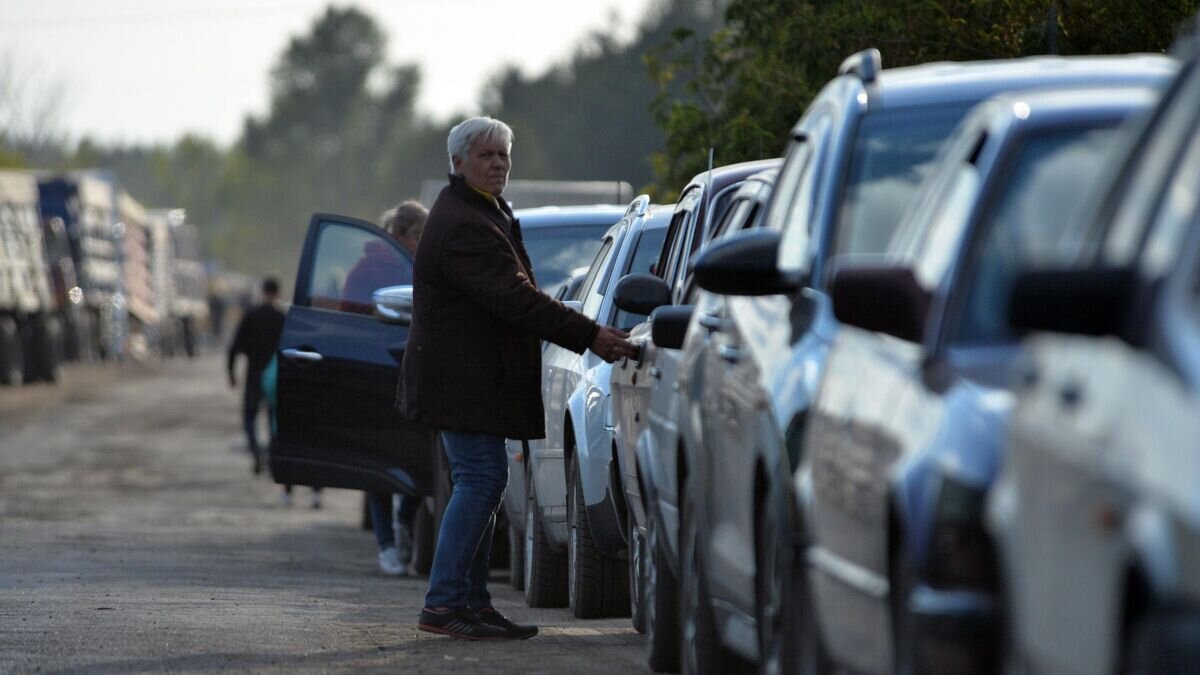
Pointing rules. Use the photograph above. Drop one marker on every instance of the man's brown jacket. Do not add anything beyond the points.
(473, 360)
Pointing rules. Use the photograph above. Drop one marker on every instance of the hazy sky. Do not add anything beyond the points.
(147, 70)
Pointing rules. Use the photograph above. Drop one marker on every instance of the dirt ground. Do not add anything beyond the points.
(133, 538)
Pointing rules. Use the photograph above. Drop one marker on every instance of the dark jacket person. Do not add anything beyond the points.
(472, 368)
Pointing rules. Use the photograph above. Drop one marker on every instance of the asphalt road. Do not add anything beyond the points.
(133, 538)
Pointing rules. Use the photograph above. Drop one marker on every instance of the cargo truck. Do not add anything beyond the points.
(30, 334)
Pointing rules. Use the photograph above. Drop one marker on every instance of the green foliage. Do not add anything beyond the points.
(742, 89)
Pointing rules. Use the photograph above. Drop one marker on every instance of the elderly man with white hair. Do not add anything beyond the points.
(472, 367)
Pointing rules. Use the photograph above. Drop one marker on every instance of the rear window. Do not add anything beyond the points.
(555, 251)
(894, 151)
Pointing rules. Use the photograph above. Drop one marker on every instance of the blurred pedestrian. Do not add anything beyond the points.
(391, 516)
(472, 369)
(257, 337)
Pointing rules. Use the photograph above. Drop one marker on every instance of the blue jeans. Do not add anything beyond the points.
(380, 506)
(479, 469)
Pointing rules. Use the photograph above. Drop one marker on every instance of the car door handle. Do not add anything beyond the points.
(302, 355)
(730, 353)
(710, 322)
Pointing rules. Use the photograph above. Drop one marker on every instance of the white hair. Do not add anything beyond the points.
(458, 143)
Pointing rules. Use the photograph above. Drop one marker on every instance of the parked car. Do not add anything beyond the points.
(856, 159)
(643, 397)
(573, 537)
(340, 358)
(1096, 513)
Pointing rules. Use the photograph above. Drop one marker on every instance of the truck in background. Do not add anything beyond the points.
(30, 335)
(86, 207)
(181, 281)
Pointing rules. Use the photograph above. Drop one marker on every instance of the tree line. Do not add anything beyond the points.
(343, 133)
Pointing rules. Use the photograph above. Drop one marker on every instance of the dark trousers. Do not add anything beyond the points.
(479, 469)
(383, 518)
(252, 400)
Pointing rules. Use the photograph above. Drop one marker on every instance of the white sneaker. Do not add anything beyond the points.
(389, 563)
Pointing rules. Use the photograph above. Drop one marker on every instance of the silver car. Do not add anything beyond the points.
(572, 521)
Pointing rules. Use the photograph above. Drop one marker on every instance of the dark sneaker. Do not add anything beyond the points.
(459, 623)
(492, 617)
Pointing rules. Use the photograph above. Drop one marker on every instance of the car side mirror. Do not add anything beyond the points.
(641, 293)
(394, 304)
(883, 298)
(743, 264)
(1093, 301)
(668, 325)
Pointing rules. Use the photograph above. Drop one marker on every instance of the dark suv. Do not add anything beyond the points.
(856, 159)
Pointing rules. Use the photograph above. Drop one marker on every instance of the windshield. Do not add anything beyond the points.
(894, 152)
(555, 251)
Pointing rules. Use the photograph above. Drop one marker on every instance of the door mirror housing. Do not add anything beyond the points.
(394, 304)
(882, 298)
(1092, 301)
(641, 293)
(744, 264)
(668, 325)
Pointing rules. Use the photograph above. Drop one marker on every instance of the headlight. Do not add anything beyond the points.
(960, 551)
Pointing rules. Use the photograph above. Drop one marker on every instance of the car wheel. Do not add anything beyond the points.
(702, 652)
(660, 593)
(12, 356)
(545, 568)
(1164, 641)
(776, 599)
(597, 585)
(516, 559)
(637, 574)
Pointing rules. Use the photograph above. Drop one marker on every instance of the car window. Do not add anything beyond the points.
(677, 233)
(555, 251)
(597, 281)
(734, 216)
(1175, 214)
(594, 270)
(893, 152)
(1022, 223)
(645, 251)
(1138, 185)
(350, 264)
(940, 241)
(796, 190)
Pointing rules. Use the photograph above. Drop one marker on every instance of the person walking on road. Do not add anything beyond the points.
(257, 336)
(391, 516)
(472, 368)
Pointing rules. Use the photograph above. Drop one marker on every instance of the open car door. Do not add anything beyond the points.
(338, 367)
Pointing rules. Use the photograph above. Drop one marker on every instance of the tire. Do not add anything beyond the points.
(46, 349)
(701, 651)
(776, 599)
(545, 569)
(1164, 641)
(597, 585)
(637, 574)
(516, 559)
(660, 593)
(12, 355)
(424, 539)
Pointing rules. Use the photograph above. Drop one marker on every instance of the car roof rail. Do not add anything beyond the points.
(865, 64)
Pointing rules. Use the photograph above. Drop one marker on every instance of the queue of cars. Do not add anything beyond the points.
(846, 443)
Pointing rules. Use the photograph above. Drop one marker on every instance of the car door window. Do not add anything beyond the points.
(593, 293)
(1175, 214)
(647, 247)
(350, 264)
(677, 234)
(796, 190)
(733, 218)
(1021, 226)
